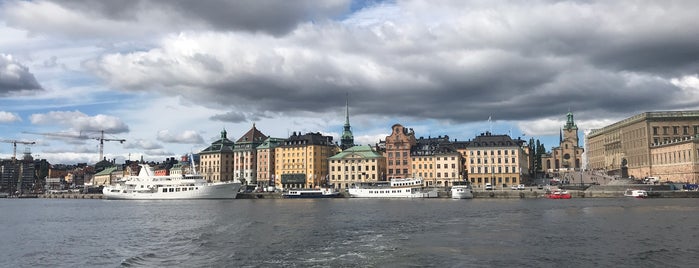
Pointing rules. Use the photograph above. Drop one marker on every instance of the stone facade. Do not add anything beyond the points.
(496, 159)
(676, 161)
(216, 161)
(398, 148)
(568, 155)
(631, 141)
(245, 155)
(354, 165)
(302, 161)
(265, 161)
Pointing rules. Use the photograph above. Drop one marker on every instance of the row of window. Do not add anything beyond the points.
(485, 160)
(353, 177)
(351, 168)
(675, 130)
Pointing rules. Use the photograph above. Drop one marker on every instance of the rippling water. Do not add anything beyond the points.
(350, 233)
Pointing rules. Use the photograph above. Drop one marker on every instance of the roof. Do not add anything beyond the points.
(106, 171)
(223, 145)
(363, 151)
(489, 140)
(271, 143)
(253, 135)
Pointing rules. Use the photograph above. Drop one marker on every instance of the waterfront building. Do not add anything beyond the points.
(216, 161)
(568, 155)
(436, 161)
(347, 139)
(265, 161)
(495, 159)
(302, 161)
(17, 175)
(107, 176)
(245, 155)
(398, 148)
(354, 165)
(650, 144)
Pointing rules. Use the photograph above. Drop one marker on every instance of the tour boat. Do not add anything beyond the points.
(636, 193)
(558, 194)
(312, 193)
(461, 190)
(187, 186)
(396, 188)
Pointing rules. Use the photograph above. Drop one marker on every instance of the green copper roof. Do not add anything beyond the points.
(363, 151)
(106, 171)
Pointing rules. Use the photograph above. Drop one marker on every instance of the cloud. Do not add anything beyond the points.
(15, 77)
(7, 117)
(186, 137)
(142, 144)
(519, 62)
(79, 121)
(132, 19)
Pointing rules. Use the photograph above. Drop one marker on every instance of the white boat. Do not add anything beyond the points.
(636, 193)
(461, 190)
(312, 193)
(396, 188)
(187, 186)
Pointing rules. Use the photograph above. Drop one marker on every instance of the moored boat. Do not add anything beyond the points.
(312, 193)
(187, 186)
(461, 190)
(396, 188)
(558, 194)
(636, 193)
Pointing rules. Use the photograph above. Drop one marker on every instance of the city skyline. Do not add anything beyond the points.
(169, 76)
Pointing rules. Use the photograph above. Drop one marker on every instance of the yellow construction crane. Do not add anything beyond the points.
(100, 138)
(14, 145)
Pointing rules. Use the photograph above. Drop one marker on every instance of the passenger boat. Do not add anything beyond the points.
(636, 193)
(461, 190)
(149, 186)
(396, 188)
(559, 194)
(312, 193)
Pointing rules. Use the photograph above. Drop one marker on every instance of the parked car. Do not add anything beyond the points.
(540, 187)
(520, 187)
(488, 186)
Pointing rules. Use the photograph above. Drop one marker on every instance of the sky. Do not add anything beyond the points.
(169, 75)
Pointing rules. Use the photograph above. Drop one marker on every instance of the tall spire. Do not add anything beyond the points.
(347, 139)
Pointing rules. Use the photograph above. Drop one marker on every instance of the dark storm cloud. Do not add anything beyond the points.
(15, 77)
(462, 64)
(275, 17)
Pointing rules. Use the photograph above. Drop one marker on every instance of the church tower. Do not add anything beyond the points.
(568, 155)
(347, 139)
(570, 132)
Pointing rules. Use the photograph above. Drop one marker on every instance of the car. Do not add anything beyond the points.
(520, 187)
(514, 187)
(539, 187)
(488, 186)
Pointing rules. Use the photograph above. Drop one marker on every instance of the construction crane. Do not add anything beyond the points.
(101, 139)
(14, 145)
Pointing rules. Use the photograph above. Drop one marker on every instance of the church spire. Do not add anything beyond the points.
(347, 139)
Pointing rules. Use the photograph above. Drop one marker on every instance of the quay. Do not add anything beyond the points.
(71, 196)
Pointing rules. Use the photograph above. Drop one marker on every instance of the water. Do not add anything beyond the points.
(622, 232)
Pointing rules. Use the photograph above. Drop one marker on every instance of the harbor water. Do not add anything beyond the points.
(584, 232)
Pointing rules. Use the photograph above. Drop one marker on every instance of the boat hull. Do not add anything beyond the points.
(458, 192)
(221, 190)
(335, 195)
(390, 193)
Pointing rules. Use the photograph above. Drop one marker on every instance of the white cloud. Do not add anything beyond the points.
(79, 121)
(7, 117)
(187, 137)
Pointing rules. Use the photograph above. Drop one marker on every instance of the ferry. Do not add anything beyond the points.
(312, 193)
(461, 190)
(636, 193)
(149, 186)
(395, 188)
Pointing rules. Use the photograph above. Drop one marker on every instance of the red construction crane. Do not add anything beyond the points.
(14, 145)
(100, 138)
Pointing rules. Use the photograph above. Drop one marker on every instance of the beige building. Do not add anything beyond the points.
(644, 143)
(302, 161)
(568, 155)
(354, 165)
(676, 161)
(265, 161)
(496, 159)
(216, 161)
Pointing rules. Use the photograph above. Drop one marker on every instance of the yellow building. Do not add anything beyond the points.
(302, 161)
(495, 159)
(354, 165)
(644, 143)
(216, 161)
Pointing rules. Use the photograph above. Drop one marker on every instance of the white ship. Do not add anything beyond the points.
(461, 190)
(149, 186)
(396, 188)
